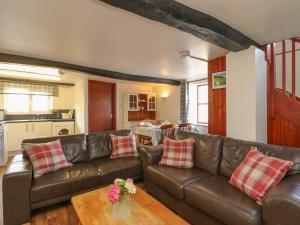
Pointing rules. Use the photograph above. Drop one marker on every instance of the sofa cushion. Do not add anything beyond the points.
(74, 146)
(215, 196)
(178, 153)
(99, 144)
(110, 169)
(234, 151)
(46, 157)
(173, 180)
(123, 146)
(258, 174)
(207, 151)
(79, 177)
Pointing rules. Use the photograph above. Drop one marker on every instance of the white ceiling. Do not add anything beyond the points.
(90, 33)
(265, 21)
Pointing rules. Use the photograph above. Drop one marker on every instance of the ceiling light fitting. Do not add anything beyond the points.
(187, 54)
(28, 71)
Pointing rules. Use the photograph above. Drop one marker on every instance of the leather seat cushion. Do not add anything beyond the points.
(73, 179)
(110, 169)
(173, 180)
(215, 196)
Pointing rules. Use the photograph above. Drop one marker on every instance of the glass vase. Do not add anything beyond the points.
(122, 209)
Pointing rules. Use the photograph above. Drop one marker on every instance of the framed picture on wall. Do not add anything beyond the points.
(219, 80)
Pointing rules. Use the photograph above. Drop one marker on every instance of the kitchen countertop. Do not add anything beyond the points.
(35, 120)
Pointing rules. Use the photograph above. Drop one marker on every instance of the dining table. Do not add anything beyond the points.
(153, 131)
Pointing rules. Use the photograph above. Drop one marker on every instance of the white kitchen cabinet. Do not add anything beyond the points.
(151, 102)
(40, 129)
(133, 102)
(15, 133)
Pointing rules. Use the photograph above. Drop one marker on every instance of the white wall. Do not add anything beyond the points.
(168, 109)
(66, 99)
(246, 95)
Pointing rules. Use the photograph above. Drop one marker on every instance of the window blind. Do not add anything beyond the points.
(27, 88)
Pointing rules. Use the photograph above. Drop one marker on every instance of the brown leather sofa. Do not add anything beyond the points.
(203, 196)
(91, 169)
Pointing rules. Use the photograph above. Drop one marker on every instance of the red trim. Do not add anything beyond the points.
(293, 69)
(283, 67)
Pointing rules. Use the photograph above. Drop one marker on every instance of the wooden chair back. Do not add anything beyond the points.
(185, 126)
(156, 122)
(167, 131)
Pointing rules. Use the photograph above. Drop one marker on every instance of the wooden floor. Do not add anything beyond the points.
(60, 214)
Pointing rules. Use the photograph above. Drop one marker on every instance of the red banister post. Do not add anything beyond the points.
(293, 69)
(283, 66)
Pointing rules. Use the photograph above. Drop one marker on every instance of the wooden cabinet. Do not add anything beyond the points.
(137, 107)
(151, 103)
(133, 102)
(15, 133)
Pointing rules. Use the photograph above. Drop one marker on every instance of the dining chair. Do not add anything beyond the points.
(167, 131)
(185, 126)
(146, 140)
(156, 122)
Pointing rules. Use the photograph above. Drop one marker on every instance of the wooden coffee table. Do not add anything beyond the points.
(93, 208)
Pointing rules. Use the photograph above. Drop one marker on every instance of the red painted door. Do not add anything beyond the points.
(101, 106)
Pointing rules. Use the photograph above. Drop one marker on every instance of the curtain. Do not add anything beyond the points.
(184, 101)
(28, 88)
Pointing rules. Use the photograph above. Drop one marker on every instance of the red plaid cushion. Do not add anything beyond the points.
(257, 174)
(46, 157)
(178, 153)
(123, 146)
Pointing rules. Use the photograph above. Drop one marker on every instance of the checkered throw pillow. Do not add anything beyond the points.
(257, 174)
(178, 153)
(46, 157)
(123, 146)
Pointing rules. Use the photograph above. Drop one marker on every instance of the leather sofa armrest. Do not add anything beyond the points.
(16, 186)
(282, 205)
(150, 155)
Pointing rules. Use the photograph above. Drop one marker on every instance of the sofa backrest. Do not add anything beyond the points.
(74, 146)
(234, 151)
(207, 151)
(99, 144)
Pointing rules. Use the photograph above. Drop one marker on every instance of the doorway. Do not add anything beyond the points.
(101, 106)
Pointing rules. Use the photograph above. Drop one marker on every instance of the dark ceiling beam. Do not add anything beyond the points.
(90, 70)
(184, 18)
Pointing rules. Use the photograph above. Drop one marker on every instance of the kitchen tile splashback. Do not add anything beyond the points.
(56, 114)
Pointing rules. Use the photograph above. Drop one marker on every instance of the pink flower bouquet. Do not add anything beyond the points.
(120, 189)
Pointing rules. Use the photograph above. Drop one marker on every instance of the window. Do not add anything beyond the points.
(202, 104)
(40, 103)
(16, 103)
(19, 103)
(198, 103)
